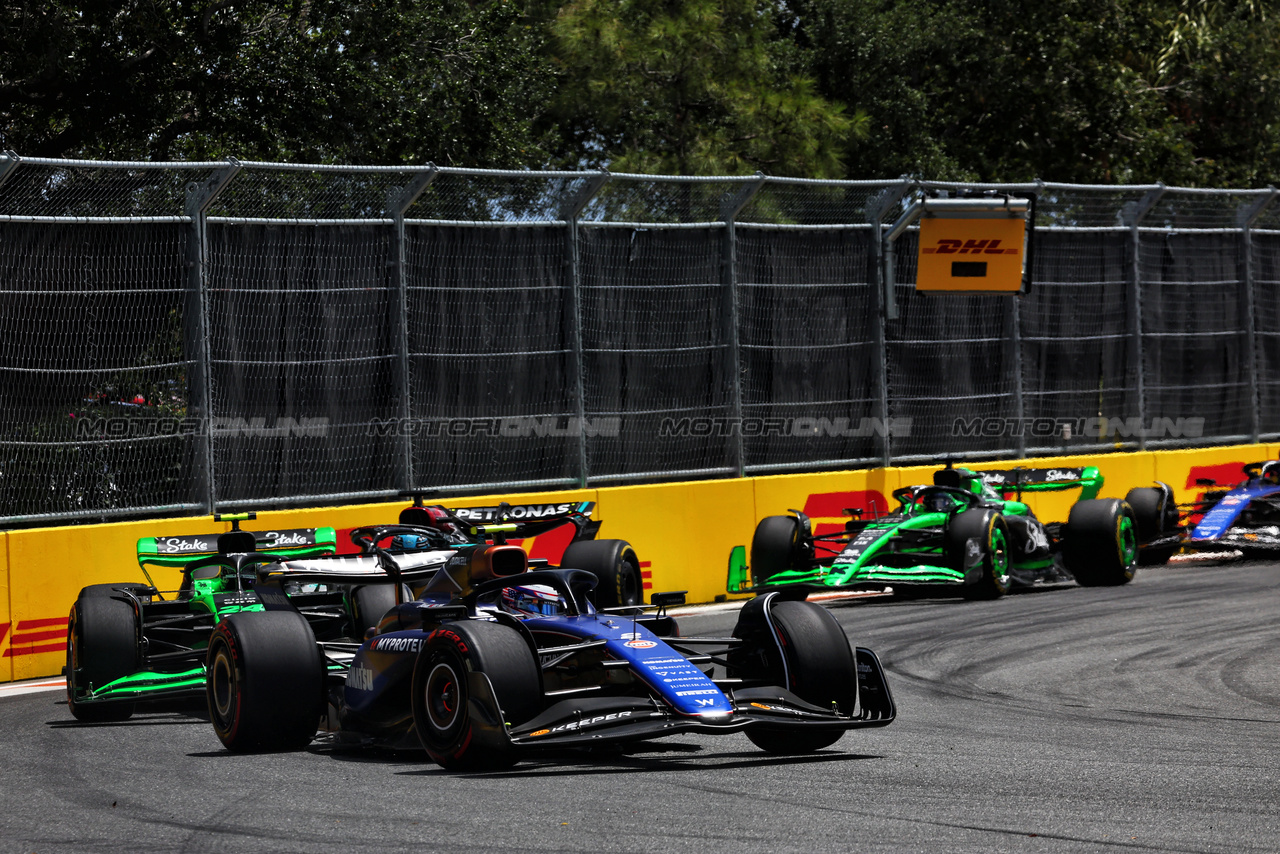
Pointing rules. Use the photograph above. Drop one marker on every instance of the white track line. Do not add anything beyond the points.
(32, 686)
(719, 607)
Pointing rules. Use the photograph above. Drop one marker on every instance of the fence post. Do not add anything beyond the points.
(570, 209)
(1131, 215)
(1245, 218)
(1015, 344)
(883, 302)
(730, 207)
(400, 200)
(8, 162)
(195, 319)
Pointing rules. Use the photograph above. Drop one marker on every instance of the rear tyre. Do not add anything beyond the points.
(369, 604)
(102, 646)
(615, 563)
(988, 527)
(816, 664)
(443, 713)
(1100, 545)
(1153, 521)
(775, 547)
(264, 682)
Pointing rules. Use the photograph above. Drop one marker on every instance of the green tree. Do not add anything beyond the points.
(385, 81)
(1219, 73)
(687, 87)
(1001, 91)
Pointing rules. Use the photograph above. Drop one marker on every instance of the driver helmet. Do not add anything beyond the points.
(939, 502)
(441, 520)
(532, 600)
(1270, 472)
(411, 542)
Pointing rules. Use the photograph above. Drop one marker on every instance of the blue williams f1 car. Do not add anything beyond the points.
(494, 661)
(1244, 517)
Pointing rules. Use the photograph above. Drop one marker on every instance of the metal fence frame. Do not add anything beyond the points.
(573, 213)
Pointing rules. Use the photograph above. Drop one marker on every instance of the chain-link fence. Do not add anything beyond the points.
(184, 337)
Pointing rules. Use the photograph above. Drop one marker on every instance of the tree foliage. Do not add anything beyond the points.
(1079, 90)
(688, 86)
(383, 81)
(1183, 91)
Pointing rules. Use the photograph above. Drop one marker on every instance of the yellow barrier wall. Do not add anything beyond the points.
(6, 662)
(682, 532)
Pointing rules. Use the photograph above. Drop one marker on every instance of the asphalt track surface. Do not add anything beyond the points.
(1144, 718)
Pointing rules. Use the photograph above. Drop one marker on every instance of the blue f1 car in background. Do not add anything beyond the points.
(493, 661)
(1245, 517)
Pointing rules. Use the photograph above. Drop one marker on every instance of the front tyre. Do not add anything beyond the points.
(102, 646)
(264, 681)
(614, 562)
(1154, 515)
(96, 591)
(1100, 546)
(448, 719)
(813, 660)
(988, 528)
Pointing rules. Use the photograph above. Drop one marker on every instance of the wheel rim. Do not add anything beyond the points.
(222, 686)
(1128, 541)
(999, 556)
(444, 697)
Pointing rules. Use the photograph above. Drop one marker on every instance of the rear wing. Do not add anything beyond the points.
(1018, 480)
(528, 520)
(181, 552)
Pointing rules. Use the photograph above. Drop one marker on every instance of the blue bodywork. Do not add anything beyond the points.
(605, 677)
(374, 693)
(1224, 514)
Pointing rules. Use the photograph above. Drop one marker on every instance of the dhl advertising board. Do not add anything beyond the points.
(682, 532)
(973, 245)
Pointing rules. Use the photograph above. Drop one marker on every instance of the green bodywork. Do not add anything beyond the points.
(906, 546)
(210, 588)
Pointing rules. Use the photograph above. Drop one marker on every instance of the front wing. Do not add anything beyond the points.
(613, 720)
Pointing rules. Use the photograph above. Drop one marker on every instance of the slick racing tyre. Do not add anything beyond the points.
(369, 604)
(810, 657)
(102, 646)
(1153, 521)
(987, 526)
(614, 562)
(264, 680)
(1100, 545)
(459, 732)
(775, 547)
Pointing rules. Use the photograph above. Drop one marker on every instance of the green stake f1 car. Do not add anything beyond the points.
(968, 532)
(129, 642)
